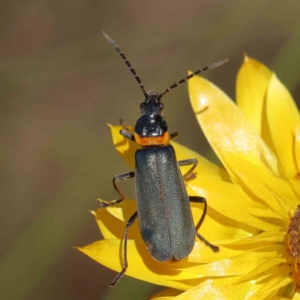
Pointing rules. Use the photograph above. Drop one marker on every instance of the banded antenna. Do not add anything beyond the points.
(212, 66)
(127, 63)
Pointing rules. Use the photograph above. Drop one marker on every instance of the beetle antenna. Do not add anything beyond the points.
(127, 63)
(212, 66)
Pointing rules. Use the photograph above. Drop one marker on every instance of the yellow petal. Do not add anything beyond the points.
(209, 290)
(205, 168)
(252, 82)
(124, 210)
(264, 238)
(226, 128)
(203, 254)
(296, 296)
(295, 184)
(222, 229)
(283, 119)
(297, 150)
(104, 219)
(235, 210)
(223, 196)
(125, 147)
(111, 220)
(141, 265)
(238, 265)
(277, 279)
(269, 190)
(265, 267)
(167, 294)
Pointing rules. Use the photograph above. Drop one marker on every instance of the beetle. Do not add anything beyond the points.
(163, 205)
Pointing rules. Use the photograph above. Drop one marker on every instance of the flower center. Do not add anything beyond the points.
(294, 245)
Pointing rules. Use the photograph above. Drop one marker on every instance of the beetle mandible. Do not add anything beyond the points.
(163, 205)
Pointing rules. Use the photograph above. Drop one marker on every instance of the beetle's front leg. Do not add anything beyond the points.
(125, 131)
(127, 134)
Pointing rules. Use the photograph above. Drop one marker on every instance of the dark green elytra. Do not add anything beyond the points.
(165, 217)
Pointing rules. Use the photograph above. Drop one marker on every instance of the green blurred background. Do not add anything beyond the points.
(61, 81)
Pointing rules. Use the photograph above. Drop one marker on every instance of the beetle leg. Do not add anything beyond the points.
(174, 135)
(122, 122)
(186, 162)
(123, 176)
(207, 243)
(125, 263)
(127, 134)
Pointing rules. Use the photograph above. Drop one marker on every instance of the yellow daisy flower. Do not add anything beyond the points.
(253, 213)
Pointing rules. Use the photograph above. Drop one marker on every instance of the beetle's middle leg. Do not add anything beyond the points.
(186, 162)
(206, 242)
(125, 263)
(123, 176)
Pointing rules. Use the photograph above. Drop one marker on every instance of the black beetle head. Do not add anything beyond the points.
(152, 104)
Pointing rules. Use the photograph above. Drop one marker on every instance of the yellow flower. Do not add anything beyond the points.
(253, 212)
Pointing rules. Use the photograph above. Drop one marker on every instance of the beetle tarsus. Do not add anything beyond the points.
(104, 204)
(207, 243)
(123, 124)
(117, 279)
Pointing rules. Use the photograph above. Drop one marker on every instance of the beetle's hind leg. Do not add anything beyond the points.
(125, 263)
(123, 176)
(206, 242)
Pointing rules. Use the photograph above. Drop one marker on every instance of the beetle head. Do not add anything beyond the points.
(152, 104)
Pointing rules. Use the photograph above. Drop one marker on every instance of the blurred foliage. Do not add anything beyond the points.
(60, 82)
